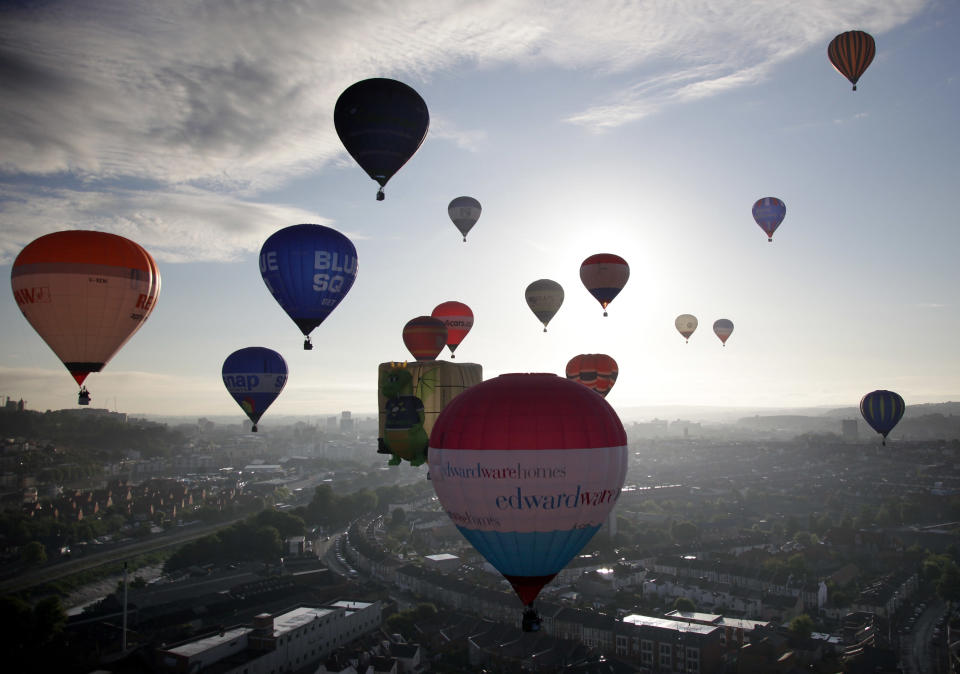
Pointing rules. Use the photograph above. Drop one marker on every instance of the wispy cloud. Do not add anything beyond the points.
(230, 99)
(179, 224)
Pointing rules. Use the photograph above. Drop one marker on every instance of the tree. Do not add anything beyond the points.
(948, 586)
(802, 625)
(684, 604)
(398, 517)
(34, 553)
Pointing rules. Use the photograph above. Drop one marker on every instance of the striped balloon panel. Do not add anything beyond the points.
(604, 275)
(851, 53)
(425, 337)
(882, 410)
(85, 293)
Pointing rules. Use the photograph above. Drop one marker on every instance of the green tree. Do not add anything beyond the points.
(684, 604)
(33, 553)
(948, 585)
(802, 625)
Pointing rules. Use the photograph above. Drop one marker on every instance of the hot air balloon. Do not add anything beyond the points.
(382, 123)
(596, 371)
(464, 211)
(882, 410)
(528, 467)
(604, 275)
(85, 293)
(254, 376)
(425, 337)
(457, 319)
(544, 298)
(851, 53)
(769, 213)
(723, 329)
(686, 324)
(308, 270)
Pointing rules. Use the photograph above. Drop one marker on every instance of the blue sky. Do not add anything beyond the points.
(644, 129)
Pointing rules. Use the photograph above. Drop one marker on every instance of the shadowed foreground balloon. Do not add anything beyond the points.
(425, 337)
(464, 211)
(597, 371)
(308, 269)
(769, 213)
(457, 319)
(851, 53)
(686, 324)
(254, 376)
(723, 328)
(544, 297)
(528, 467)
(86, 293)
(882, 410)
(382, 123)
(604, 275)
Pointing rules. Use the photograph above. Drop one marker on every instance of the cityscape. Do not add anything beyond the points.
(768, 543)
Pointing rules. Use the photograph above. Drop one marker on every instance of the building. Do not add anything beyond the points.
(288, 641)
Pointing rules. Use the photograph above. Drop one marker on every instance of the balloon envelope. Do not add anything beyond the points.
(85, 293)
(382, 123)
(527, 491)
(723, 328)
(769, 213)
(464, 211)
(686, 324)
(254, 377)
(544, 298)
(457, 319)
(596, 371)
(308, 270)
(425, 337)
(604, 275)
(851, 53)
(882, 410)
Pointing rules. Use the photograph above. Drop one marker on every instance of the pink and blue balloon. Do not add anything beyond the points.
(527, 491)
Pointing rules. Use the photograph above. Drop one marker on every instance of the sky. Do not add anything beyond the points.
(644, 129)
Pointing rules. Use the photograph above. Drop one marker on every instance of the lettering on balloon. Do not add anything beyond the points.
(36, 295)
(324, 260)
(268, 261)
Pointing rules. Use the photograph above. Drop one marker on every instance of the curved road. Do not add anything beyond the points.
(90, 560)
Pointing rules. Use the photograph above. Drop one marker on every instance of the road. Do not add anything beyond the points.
(90, 560)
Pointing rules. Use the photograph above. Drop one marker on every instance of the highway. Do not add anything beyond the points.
(92, 559)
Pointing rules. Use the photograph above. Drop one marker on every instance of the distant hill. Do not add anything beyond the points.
(946, 409)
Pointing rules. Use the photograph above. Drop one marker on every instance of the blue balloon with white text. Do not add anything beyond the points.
(254, 377)
(308, 269)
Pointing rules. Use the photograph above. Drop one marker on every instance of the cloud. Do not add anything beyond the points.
(175, 225)
(221, 101)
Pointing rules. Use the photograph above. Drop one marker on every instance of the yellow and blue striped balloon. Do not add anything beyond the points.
(882, 410)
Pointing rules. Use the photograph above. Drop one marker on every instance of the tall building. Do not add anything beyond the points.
(346, 422)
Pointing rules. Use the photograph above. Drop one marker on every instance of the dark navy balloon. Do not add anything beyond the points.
(382, 123)
(882, 410)
(254, 376)
(308, 269)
